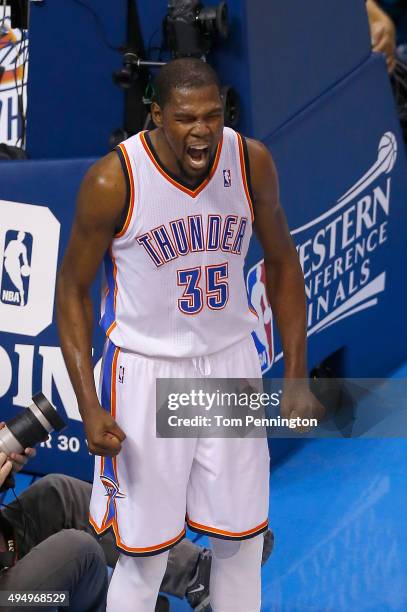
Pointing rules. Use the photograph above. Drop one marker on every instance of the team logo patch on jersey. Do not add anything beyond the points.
(15, 279)
(227, 178)
(111, 487)
(263, 334)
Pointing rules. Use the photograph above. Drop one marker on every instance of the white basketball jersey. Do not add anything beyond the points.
(174, 273)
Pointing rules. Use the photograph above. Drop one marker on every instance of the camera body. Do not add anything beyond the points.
(190, 29)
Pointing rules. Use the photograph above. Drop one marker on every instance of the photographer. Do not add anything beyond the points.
(50, 553)
(383, 33)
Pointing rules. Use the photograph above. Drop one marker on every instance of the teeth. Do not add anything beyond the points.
(199, 147)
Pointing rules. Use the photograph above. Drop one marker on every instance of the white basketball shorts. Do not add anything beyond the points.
(219, 486)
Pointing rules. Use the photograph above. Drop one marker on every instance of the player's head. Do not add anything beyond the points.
(188, 109)
(20, 236)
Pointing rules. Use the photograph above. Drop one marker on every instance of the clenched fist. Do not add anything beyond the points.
(103, 434)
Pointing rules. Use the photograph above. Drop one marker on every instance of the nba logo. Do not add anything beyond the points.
(263, 334)
(15, 281)
(227, 178)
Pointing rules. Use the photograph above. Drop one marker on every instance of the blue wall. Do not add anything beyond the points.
(73, 105)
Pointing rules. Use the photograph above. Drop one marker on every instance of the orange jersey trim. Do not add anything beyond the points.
(252, 310)
(131, 203)
(113, 395)
(126, 548)
(231, 534)
(111, 328)
(103, 528)
(104, 524)
(191, 192)
(244, 175)
(94, 525)
(113, 413)
(146, 549)
(116, 288)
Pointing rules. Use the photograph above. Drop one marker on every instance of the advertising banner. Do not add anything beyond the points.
(13, 80)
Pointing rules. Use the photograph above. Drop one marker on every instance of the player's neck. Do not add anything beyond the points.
(167, 157)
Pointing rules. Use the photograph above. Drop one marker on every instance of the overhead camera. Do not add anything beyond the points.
(190, 29)
(129, 73)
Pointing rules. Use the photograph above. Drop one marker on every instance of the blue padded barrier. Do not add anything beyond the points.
(320, 155)
(285, 54)
(32, 361)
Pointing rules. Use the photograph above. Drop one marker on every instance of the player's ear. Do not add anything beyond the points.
(156, 114)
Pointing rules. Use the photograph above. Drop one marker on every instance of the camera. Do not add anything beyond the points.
(190, 29)
(27, 429)
(31, 426)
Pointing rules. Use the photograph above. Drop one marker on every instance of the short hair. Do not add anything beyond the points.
(183, 73)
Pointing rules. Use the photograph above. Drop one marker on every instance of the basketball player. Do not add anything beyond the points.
(171, 212)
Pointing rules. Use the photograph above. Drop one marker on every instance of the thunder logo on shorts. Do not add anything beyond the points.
(16, 268)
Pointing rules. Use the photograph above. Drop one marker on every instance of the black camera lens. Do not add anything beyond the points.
(31, 426)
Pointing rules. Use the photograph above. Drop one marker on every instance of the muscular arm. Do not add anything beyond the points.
(100, 204)
(284, 278)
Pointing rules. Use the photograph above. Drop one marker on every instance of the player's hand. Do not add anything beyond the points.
(383, 35)
(103, 434)
(5, 467)
(19, 460)
(299, 402)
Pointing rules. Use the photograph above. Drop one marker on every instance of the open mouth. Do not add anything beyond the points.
(198, 156)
